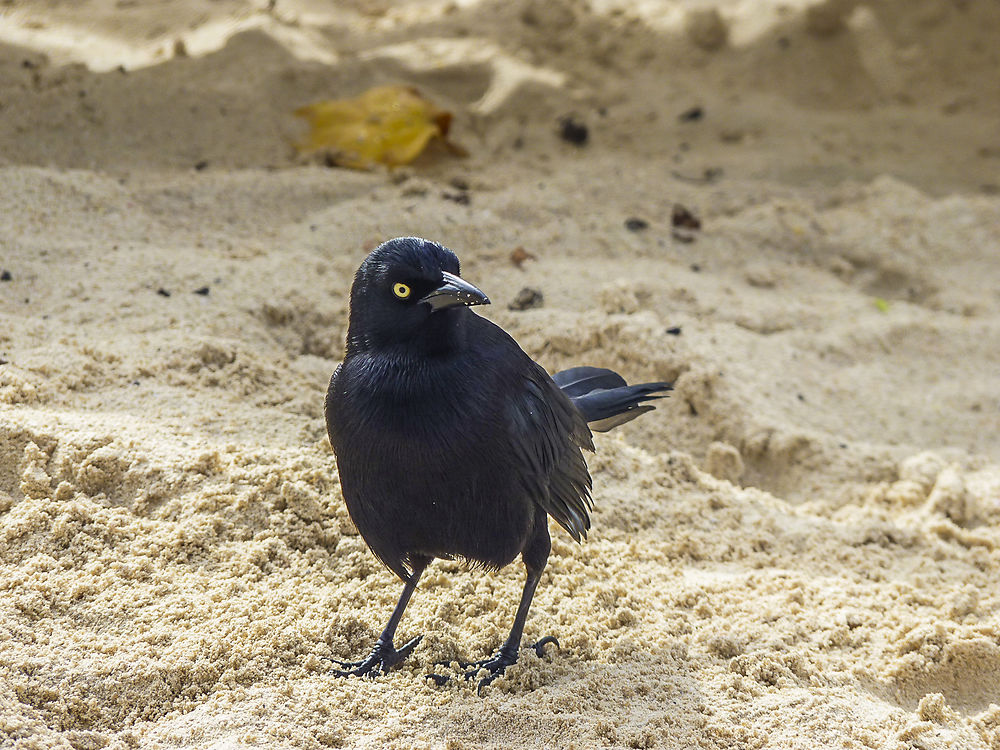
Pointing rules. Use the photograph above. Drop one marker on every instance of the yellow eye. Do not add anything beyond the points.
(401, 290)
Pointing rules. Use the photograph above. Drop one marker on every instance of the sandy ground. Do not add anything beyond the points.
(799, 549)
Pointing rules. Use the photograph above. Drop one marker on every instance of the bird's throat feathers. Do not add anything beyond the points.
(406, 390)
(439, 333)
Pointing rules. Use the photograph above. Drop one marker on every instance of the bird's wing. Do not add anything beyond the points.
(547, 433)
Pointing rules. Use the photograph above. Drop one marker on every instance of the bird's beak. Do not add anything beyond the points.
(455, 291)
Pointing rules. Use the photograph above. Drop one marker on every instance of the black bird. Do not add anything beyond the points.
(451, 441)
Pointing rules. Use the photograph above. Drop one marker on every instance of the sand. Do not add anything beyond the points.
(799, 549)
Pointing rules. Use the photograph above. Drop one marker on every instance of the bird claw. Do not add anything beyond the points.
(540, 645)
(495, 665)
(382, 658)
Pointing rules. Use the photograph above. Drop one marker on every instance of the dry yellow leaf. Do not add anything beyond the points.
(385, 125)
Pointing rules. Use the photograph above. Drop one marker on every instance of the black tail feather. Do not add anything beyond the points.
(604, 398)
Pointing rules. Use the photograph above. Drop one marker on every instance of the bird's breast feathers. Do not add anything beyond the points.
(407, 399)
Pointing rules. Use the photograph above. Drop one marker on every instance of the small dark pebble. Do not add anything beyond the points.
(203, 291)
(526, 299)
(5, 276)
(573, 131)
(4, 361)
(682, 217)
(800, 397)
(674, 331)
(691, 115)
(459, 183)
(135, 382)
(461, 199)
(635, 224)
(201, 165)
(163, 292)
(695, 267)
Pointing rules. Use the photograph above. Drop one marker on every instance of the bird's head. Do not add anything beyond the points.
(408, 289)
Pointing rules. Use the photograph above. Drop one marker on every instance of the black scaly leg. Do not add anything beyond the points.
(534, 555)
(384, 656)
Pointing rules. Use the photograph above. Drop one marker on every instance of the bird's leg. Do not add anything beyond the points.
(384, 656)
(507, 654)
(535, 555)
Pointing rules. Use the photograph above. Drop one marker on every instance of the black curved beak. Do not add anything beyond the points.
(455, 291)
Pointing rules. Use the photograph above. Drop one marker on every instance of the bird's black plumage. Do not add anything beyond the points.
(450, 441)
(604, 398)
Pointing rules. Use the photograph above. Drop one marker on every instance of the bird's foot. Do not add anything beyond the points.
(495, 665)
(381, 659)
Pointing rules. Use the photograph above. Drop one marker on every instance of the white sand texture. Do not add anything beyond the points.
(800, 548)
